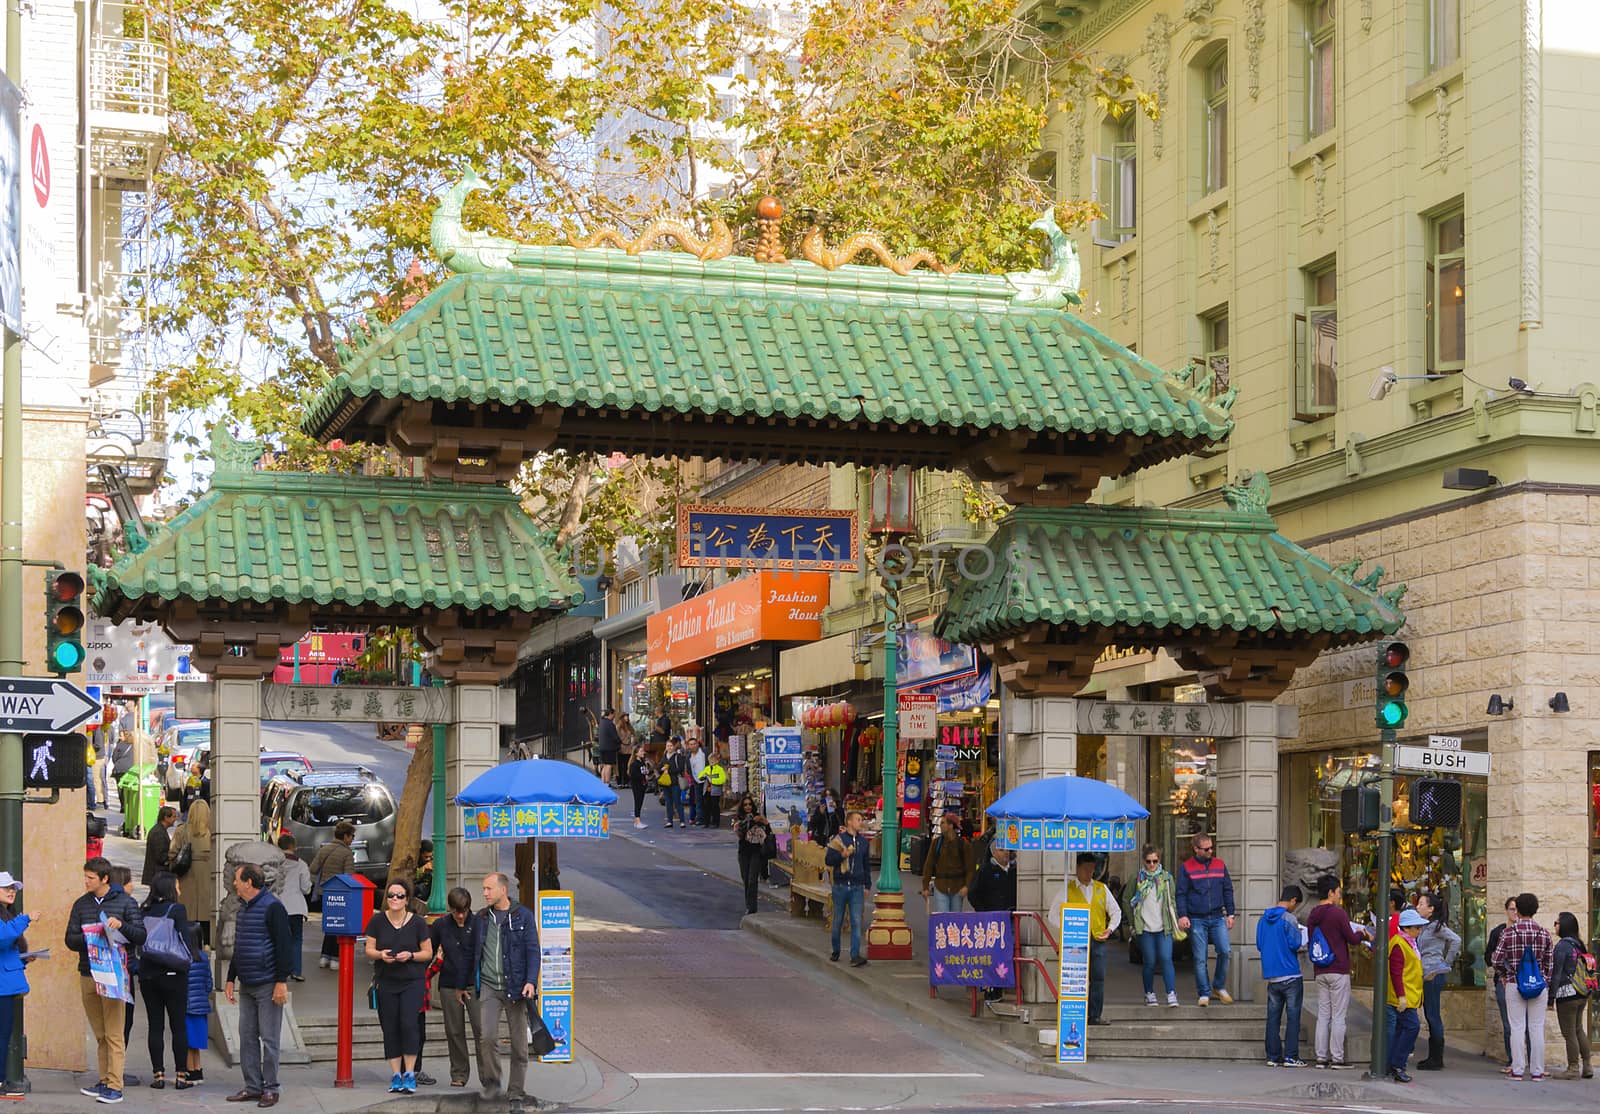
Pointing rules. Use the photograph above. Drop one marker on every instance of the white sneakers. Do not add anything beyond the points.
(1223, 996)
(637, 823)
(1172, 998)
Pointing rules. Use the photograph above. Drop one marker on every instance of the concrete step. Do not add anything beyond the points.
(1182, 1033)
(1239, 1011)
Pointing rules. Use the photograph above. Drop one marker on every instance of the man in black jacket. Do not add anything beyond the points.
(994, 889)
(456, 943)
(507, 962)
(262, 960)
(158, 844)
(608, 745)
(104, 909)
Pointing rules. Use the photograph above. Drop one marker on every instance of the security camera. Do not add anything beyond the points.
(1383, 384)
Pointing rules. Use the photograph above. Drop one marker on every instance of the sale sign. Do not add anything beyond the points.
(970, 949)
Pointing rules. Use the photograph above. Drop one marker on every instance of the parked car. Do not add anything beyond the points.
(308, 805)
(275, 762)
(181, 745)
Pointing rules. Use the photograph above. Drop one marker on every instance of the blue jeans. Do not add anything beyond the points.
(696, 810)
(940, 902)
(297, 940)
(1283, 1034)
(1403, 1027)
(1205, 931)
(1157, 946)
(673, 798)
(1097, 979)
(847, 895)
(1432, 993)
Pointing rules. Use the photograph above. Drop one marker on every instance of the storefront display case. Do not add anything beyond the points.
(1452, 862)
(1183, 793)
(1594, 872)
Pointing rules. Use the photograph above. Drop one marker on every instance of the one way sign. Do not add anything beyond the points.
(43, 704)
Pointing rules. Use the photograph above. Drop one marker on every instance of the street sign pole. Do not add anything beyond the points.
(11, 789)
(1380, 955)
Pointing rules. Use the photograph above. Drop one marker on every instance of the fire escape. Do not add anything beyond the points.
(127, 124)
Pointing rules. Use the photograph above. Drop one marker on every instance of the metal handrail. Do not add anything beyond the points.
(128, 75)
(1018, 959)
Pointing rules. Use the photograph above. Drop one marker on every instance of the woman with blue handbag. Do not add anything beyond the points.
(164, 978)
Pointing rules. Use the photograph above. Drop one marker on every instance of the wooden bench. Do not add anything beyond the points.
(809, 881)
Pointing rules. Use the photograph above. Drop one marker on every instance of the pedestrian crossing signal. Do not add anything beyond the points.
(54, 761)
(1435, 803)
(63, 642)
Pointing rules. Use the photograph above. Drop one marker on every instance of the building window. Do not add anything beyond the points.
(1317, 347)
(1116, 180)
(1319, 81)
(1447, 292)
(1216, 357)
(1216, 92)
(1444, 33)
(1043, 171)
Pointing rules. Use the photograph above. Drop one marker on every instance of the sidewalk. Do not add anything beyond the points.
(1471, 1082)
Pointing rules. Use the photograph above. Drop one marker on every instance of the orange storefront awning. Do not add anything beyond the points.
(762, 607)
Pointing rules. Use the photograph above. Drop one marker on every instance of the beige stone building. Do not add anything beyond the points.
(1377, 222)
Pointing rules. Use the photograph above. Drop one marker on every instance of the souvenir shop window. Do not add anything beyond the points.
(1183, 793)
(1451, 862)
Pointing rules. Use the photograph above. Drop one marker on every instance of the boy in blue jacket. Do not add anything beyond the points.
(1278, 941)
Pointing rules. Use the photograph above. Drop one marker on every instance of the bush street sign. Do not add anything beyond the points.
(1435, 760)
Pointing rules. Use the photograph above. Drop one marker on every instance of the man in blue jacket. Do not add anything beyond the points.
(1205, 911)
(847, 855)
(1278, 941)
(507, 962)
(262, 959)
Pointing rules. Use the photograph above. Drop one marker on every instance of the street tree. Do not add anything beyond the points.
(309, 138)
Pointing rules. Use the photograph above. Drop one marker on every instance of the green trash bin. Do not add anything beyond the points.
(141, 800)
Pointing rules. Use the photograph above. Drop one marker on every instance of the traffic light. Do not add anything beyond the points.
(1392, 684)
(1359, 810)
(1435, 803)
(63, 642)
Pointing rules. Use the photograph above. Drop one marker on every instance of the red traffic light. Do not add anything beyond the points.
(66, 586)
(1396, 655)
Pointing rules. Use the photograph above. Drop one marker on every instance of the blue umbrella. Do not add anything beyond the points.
(541, 798)
(1066, 814)
(536, 781)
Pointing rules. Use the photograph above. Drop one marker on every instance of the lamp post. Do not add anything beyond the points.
(888, 936)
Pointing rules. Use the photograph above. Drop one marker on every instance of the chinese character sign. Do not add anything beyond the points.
(542, 821)
(747, 537)
(970, 949)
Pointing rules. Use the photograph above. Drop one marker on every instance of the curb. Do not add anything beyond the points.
(923, 1011)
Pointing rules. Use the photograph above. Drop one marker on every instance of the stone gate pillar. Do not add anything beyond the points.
(1041, 741)
(1247, 829)
(474, 747)
(235, 772)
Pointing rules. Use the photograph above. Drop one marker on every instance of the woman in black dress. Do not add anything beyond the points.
(400, 948)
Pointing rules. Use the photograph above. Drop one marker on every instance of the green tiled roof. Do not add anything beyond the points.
(345, 543)
(1173, 571)
(664, 334)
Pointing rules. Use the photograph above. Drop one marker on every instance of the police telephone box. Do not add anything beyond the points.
(347, 904)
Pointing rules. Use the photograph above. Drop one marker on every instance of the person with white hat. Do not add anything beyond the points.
(1404, 992)
(13, 980)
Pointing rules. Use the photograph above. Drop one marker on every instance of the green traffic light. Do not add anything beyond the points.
(1392, 713)
(67, 655)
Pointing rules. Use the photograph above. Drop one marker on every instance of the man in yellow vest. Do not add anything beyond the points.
(1082, 891)
(1405, 992)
